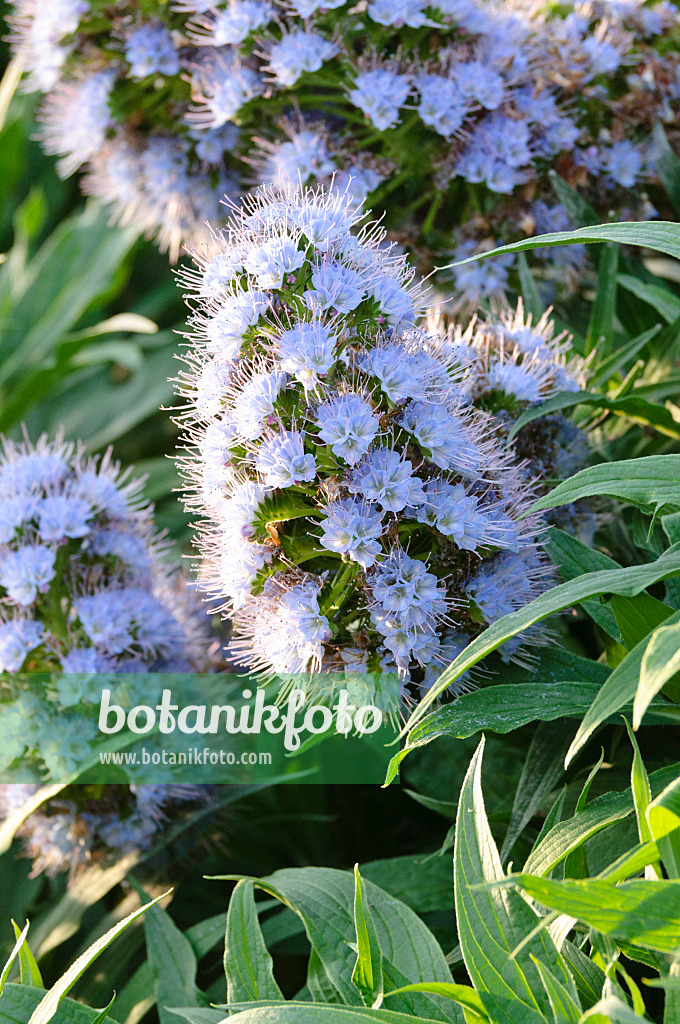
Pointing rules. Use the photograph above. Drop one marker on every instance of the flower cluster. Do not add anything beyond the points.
(512, 364)
(358, 509)
(84, 584)
(453, 104)
(82, 825)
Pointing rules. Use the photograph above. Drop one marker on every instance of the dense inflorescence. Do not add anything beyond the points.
(359, 509)
(83, 825)
(85, 586)
(455, 108)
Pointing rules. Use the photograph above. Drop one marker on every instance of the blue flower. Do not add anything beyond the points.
(385, 477)
(348, 425)
(17, 638)
(442, 106)
(27, 572)
(75, 118)
(379, 94)
(336, 287)
(516, 380)
(238, 312)
(61, 515)
(298, 51)
(623, 163)
(306, 350)
(230, 26)
(354, 529)
(270, 262)
(149, 50)
(282, 460)
(481, 83)
(398, 13)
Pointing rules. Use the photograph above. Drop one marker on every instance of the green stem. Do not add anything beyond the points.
(435, 206)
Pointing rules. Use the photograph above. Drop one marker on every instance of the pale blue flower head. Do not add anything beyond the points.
(380, 94)
(282, 461)
(149, 50)
(348, 425)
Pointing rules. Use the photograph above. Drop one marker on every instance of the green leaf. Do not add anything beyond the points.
(279, 509)
(137, 996)
(579, 210)
(563, 1000)
(247, 964)
(619, 689)
(612, 1010)
(638, 616)
(660, 662)
(103, 1014)
(72, 269)
(530, 295)
(542, 770)
(309, 1013)
(198, 1014)
(491, 922)
(630, 581)
(321, 988)
(99, 410)
(613, 363)
(601, 326)
(601, 812)
(650, 484)
(668, 165)
(323, 898)
(576, 864)
(661, 236)
(663, 817)
(19, 1002)
(20, 939)
(663, 813)
(172, 961)
(587, 976)
(464, 995)
(573, 558)
(424, 883)
(367, 976)
(661, 299)
(641, 789)
(30, 972)
(47, 1007)
(631, 406)
(640, 911)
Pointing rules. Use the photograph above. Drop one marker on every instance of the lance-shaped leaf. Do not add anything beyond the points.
(619, 690)
(323, 898)
(629, 581)
(663, 818)
(367, 976)
(662, 236)
(660, 662)
(564, 1003)
(612, 1010)
(247, 963)
(20, 939)
(493, 921)
(311, 1013)
(29, 970)
(643, 912)
(650, 483)
(603, 811)
(20, 1001)
(47, 1007)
